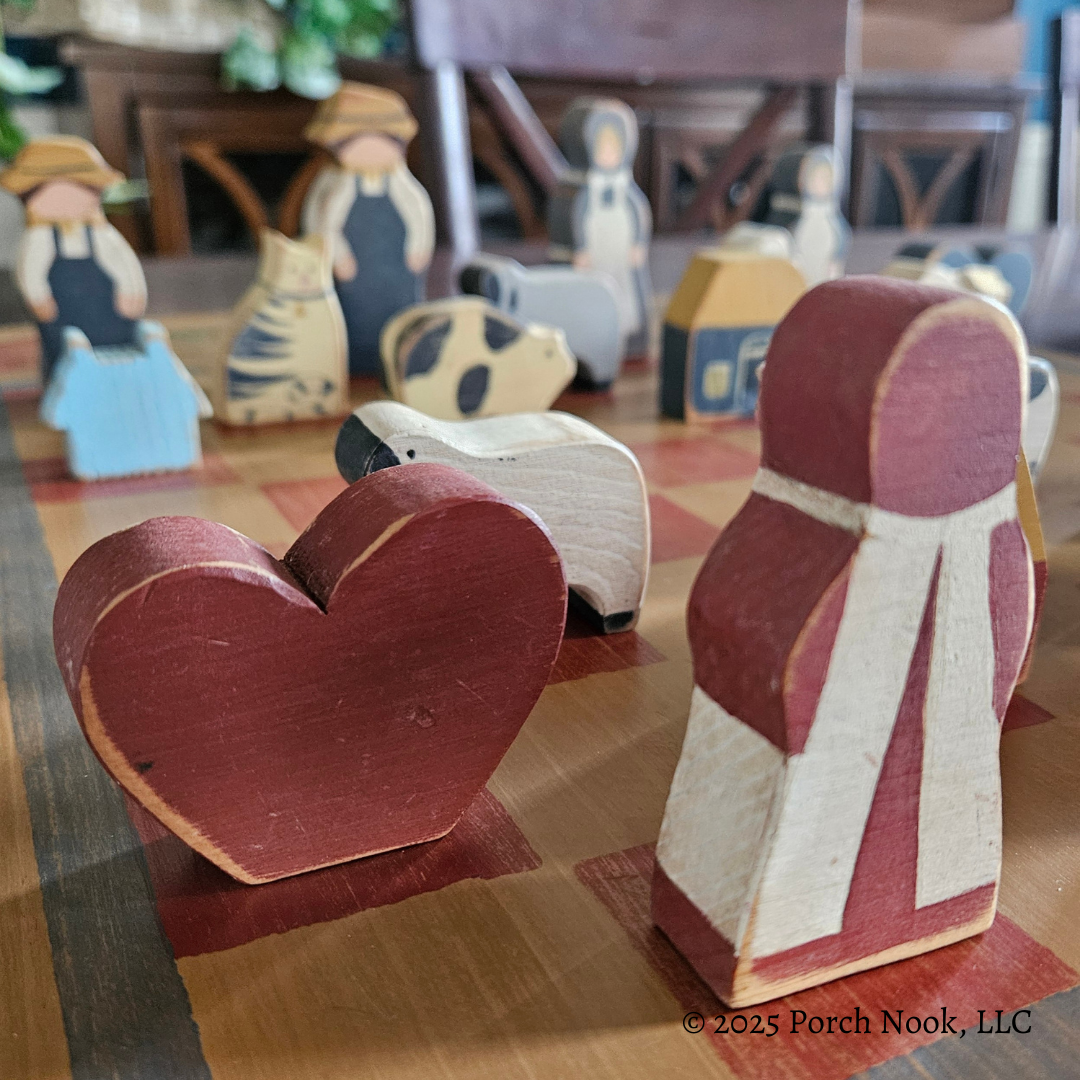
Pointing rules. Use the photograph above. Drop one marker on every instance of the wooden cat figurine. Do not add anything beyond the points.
(599, 218)
(286, 352)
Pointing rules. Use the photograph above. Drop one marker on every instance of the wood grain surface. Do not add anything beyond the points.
(529, 974)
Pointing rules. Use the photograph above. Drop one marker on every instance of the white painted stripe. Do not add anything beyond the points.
(714, 832)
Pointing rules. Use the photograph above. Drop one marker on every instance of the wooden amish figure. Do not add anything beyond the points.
(73, 267)
(599, 218)
(376, 214)
(856, 632)
(803, 197)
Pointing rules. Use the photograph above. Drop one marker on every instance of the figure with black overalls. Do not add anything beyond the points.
(376, 214)
(74, 268)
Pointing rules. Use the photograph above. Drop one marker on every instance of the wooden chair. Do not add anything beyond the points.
(785, 44)
(1065, 95)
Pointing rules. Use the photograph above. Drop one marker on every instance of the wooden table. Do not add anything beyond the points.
(519, 946)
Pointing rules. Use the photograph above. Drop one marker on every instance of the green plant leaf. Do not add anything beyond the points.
(247, 63)
(16, 77)
(309, 66)
(12, 137)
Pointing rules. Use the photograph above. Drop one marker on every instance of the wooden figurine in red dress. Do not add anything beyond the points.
(856, 632)
(350, 699)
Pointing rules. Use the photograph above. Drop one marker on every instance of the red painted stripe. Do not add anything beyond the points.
(674, 462)
(586, 651)
(301, 500)
(50, 482)
(1022, 712)
(1001, 969)
(204, 910)
(676, 533)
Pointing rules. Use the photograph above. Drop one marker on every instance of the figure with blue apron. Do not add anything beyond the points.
(73, 267)
(375, 213)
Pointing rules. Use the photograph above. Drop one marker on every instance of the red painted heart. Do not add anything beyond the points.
(354, 698)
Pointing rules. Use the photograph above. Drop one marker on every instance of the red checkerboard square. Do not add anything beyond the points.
(301, 500)
(676, 533)
(704, 460)
(1003, 969)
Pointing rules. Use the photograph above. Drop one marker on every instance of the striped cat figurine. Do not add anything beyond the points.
(286, 356)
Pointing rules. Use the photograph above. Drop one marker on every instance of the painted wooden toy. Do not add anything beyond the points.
(587, 488)
(856, 633)
(354, 698)
(286, 352)
(998, 273)
(598, 218)
(73, 267)
(773, 241)
(125, 410)
(717, 330)
(460, 358)
(803, 197)
(376, 213)
(584, 304)
(1044, 395)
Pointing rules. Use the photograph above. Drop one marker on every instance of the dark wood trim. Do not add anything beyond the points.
(751, 142)
(519, 123)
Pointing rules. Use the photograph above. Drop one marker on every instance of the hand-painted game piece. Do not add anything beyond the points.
(1000, 274)
(461, 358)
(587, 488)
(772, 241)
(856, 633)
(73, 267)
(717, 330)
(803, 197)
(1042, 413)
(286, 352)
(598, 218)
(125, 411)
(584, 304)
(376, 214)
(1028, 512)
(354, 698)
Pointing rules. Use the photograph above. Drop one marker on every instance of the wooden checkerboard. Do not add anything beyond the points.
(519, 946)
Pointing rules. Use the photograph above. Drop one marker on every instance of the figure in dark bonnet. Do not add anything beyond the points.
(599, 218)
(375, 213)
(73, 267)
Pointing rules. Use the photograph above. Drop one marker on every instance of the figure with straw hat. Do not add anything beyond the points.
(375, 213)
(73, 267)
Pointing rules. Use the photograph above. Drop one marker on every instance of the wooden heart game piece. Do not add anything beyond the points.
(856, 633)
(73, 267)
(461, 358)
(285, 353)
(717, 329)
(598, 218)
(375, 214)
(584, 304)
(586, 487)
(351, 699)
